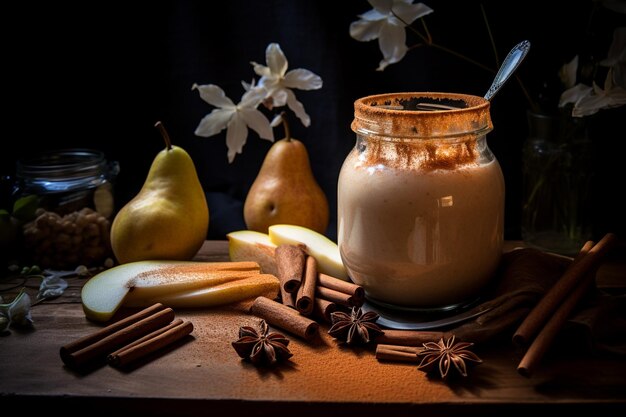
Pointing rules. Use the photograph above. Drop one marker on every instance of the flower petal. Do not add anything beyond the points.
(278, 119)
(593, 103)
(572, 95)
(382, 6)
(297, 108)
(252, 98)
(392, 44)
(276, 60)
(302, 79)
(279, 97)
(567, 73)
(247, 86)
(236, 136)
(213, 95)
(260, 70)
(409, 13)
(18, 311)
(617, 50)
(214, 123)
(255, 120)
(51, 286)
(364, 30)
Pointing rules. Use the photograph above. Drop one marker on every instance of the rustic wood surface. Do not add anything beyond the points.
(202, 374)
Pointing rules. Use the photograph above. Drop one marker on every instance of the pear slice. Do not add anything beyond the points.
(248, 245)
(105, 292)
(228, 292)
(324, 250)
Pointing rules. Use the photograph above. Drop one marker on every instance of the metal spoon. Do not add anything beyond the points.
(508, 67)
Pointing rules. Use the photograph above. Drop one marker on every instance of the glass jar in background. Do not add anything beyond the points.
(75, 205)
(421, 200)
(557, 177)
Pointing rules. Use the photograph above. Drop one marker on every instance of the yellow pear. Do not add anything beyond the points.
(285, 191)
(169, 218)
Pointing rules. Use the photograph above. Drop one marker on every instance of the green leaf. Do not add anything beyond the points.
(25, 207)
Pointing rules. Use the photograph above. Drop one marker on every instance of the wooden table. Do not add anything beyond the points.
(203, 375)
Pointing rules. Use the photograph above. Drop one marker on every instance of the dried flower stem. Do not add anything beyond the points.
(428, 41)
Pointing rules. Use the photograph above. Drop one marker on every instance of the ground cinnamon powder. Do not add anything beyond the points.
(399, 136)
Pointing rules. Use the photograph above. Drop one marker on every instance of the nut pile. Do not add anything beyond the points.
(64, 242)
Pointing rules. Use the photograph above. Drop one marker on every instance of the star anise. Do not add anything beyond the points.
(261, 348)
(444, 353)
(355, 327)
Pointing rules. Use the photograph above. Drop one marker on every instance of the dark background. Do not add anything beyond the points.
(100, 74)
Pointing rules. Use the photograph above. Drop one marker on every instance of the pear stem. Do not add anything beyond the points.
(283, 116)
(166, 136)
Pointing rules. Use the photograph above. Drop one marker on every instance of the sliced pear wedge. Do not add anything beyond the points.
(248, 245)
(105, 292)
(225, 293)
(324, 250)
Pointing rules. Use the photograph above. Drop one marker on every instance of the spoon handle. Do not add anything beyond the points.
(509, 65)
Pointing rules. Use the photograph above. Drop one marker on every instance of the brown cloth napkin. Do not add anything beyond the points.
(524, 276)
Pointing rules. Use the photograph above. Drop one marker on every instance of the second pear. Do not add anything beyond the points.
(285, 191)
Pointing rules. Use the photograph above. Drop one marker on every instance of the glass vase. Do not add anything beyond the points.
(557, 176)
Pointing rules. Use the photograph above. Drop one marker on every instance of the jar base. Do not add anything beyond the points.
(420, 318)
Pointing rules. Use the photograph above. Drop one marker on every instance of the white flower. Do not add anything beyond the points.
(18, 312)
(386, 22)
(589, 100)
(235, 118)
(278, 82)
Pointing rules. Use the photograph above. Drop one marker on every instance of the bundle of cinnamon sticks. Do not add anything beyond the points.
(539, 329)
(305, 294)
(127, 340)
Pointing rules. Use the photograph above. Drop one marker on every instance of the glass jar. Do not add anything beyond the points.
(557, 176)
(421, 200)
(68, 180)
(75, 206)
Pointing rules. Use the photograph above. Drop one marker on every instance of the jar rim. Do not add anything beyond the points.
(61, 163)
(425, 115)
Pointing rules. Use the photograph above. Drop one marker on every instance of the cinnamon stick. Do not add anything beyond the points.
(150, 343)
(290, 264)
(306, 292)
(546, 336)
(284, 317)
(587, 260)
(287, 298)
(149, 336)
(322, 309)
(110, 329)
(356, 291)
(338, 297)
(408, 337)
(397, 353)
(115, 340)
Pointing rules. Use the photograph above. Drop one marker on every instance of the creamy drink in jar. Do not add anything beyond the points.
(421, 200)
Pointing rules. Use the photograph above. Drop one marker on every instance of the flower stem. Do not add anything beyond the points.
(493, 42)
(429, 41)
(463, 57)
